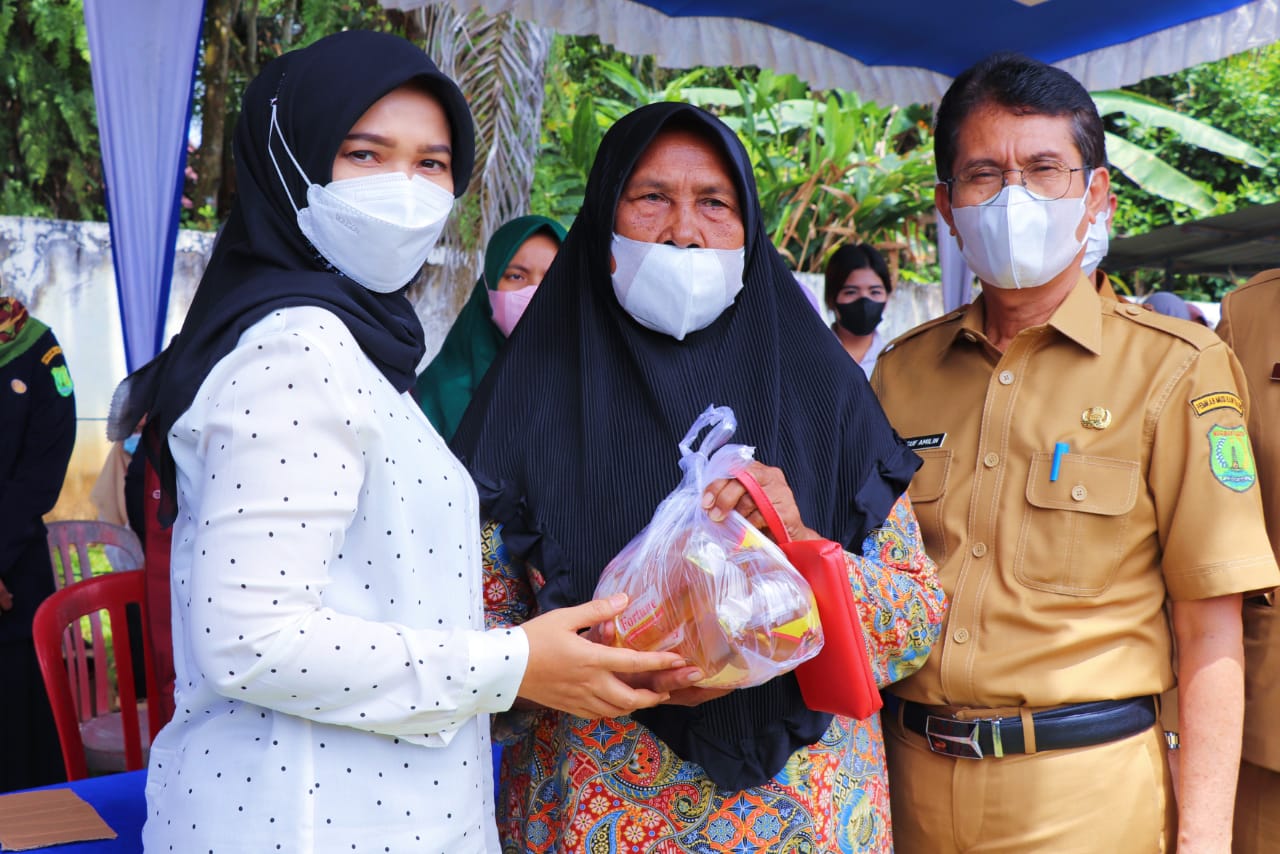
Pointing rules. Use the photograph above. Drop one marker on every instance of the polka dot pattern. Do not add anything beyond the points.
(328, 630)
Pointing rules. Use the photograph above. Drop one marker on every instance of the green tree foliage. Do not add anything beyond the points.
(239, 37)
(1145, 168)
(49, 159)
(1238, 96)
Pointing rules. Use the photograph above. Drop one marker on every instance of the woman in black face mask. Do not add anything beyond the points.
(858, 286)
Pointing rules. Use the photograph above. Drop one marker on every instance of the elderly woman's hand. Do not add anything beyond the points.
(676, 685)
(725, 495)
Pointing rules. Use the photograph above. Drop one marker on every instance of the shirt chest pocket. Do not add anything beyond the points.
(927, 492)
(1073, 527)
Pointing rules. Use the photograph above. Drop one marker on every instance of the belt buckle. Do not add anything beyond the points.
(951, 737)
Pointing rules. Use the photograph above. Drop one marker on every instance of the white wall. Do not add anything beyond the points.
(62, 271)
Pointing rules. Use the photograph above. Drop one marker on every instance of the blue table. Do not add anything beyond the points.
(121, 801)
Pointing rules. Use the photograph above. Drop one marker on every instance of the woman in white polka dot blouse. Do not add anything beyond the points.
(333, 675)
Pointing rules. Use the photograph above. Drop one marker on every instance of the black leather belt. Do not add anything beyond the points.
(1078, 725)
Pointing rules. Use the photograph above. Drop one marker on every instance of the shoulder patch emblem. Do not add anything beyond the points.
(18, 386)
(1217, 400)
(1231, 458)
(49, 355)
(62, 379)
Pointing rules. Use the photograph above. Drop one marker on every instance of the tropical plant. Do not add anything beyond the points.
(835, 169)
(498, 61)
(1147, 169)
(578, 74)
(1240, 96)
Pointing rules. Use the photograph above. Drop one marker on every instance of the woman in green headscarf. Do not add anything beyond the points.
(517, 257)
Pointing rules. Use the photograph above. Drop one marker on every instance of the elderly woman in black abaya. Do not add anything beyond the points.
(667, 297)
(333, 675)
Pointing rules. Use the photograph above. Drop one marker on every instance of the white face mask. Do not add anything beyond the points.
(672, 290)
(1096, 243)
(508, 307)
(376, 229)
(1018, 241)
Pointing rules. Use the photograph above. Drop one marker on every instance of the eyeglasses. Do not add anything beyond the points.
(1045, 180)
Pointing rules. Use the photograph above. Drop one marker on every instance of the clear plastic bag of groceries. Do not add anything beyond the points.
(719, 593)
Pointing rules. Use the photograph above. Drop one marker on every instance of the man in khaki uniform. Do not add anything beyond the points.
(1084, 461)
(1249, 324)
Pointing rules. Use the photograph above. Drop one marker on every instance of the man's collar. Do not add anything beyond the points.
(1079, 317)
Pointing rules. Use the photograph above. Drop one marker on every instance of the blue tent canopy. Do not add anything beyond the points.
(909, 54)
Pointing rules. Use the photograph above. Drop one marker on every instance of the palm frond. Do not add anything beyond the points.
(499, 63)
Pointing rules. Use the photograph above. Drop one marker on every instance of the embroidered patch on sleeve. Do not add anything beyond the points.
(62, 379)
(1217, 400)
(55, 350)
(1231, 458)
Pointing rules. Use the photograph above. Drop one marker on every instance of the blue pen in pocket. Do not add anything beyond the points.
(1059, 451)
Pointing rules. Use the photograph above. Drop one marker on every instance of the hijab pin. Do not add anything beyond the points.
(1096, 418)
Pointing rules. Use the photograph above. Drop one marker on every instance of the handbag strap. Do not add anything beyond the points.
(764, 505)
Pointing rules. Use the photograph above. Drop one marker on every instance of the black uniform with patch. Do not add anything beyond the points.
(37, 432)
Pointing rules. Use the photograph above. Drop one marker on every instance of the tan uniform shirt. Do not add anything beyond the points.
(1057, 583)
(1251, 325)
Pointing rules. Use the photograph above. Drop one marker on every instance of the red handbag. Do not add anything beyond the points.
(839, 679)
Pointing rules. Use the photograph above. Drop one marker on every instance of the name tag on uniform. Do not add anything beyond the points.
(920, 443)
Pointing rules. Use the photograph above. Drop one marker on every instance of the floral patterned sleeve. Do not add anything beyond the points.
(508, 601)
(508, 595)
(901, 601)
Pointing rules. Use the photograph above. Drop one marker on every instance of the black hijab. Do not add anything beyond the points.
(261, 261)
(572, 438)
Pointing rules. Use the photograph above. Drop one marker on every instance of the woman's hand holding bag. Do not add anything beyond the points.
(840, 678)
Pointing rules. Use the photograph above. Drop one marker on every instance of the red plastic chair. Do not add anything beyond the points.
(105, 730)
(75, 537)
